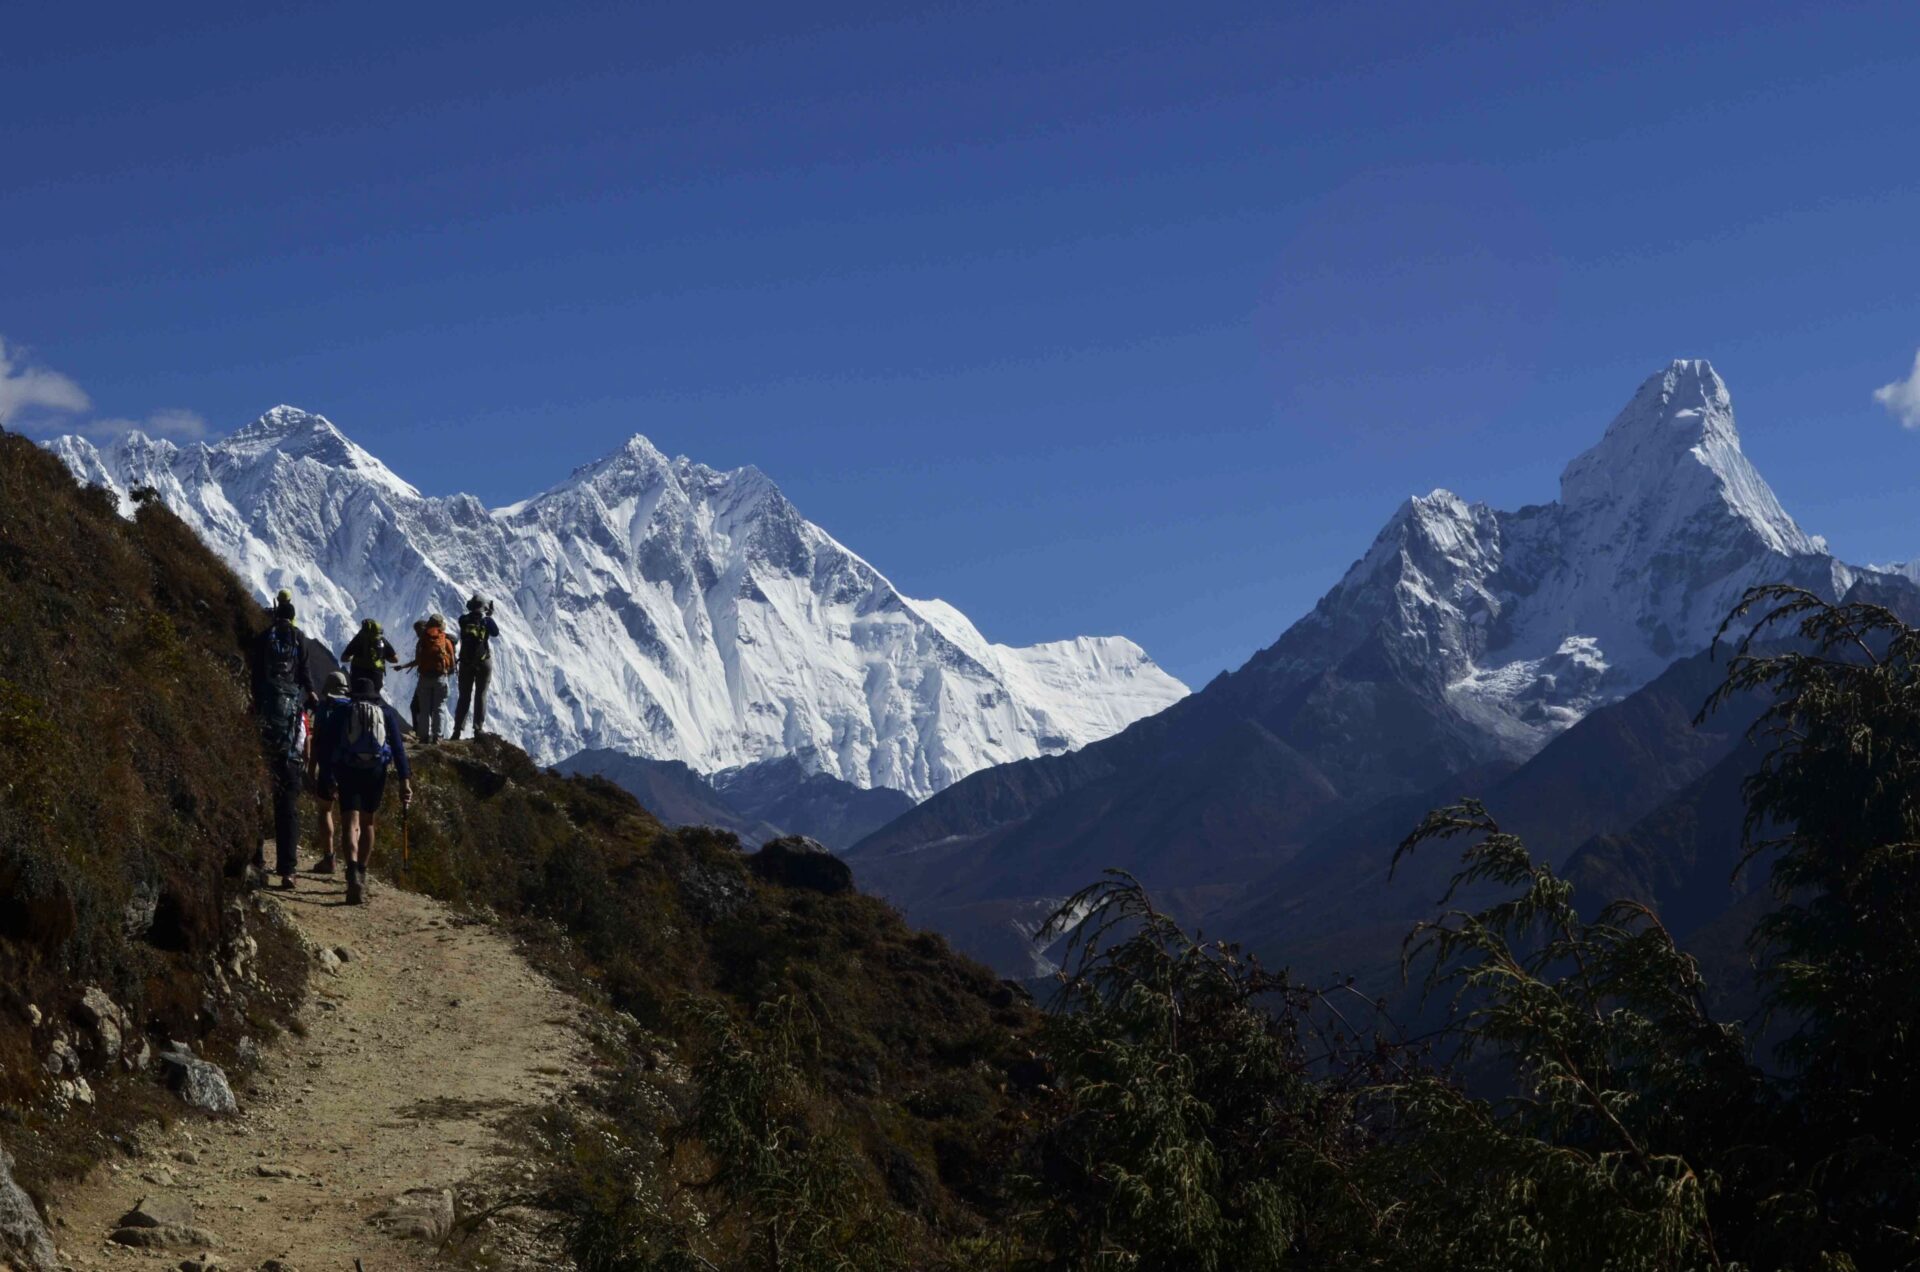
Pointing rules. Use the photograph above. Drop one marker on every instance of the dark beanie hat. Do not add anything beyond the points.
(363, 687)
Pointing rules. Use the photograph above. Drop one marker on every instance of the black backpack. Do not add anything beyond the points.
(285, 650)
(473, 639)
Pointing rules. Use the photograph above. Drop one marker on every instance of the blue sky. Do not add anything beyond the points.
(1131, 318)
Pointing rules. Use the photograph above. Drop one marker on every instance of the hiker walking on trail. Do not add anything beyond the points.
(333, 700)
(357, 745)
(477, 633)
(433, 659)
(282, 688)
(368, 654)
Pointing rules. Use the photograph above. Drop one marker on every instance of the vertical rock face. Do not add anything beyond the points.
(649, 605)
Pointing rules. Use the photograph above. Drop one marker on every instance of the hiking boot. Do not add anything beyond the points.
(356, 892)
(324, 865)
(286, 883)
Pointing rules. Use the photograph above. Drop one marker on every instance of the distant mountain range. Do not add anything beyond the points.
(1550, 659)
(651, 606)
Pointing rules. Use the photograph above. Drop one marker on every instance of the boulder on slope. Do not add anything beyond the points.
(24, 1240)
(799, 862)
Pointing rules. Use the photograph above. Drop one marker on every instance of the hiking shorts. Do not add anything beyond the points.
(361, 790)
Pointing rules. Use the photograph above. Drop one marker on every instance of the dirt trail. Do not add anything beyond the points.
(418, 1054)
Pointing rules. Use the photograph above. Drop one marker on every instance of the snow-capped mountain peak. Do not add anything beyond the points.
(1526, 620)
(651, 605)
(294, 434)
(1673, 455)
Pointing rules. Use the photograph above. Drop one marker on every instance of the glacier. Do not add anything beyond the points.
(648, 605)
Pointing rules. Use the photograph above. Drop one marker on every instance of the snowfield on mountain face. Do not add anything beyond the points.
(646, 604)
(1525, 621)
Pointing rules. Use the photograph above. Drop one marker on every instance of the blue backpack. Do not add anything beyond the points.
(363, 743)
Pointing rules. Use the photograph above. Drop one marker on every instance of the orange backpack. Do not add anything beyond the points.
(435, 655)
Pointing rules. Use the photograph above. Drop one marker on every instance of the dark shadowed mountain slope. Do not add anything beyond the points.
(1465, 641)
(781, 792)
(758, 802)
(1333, 908)
(671, 791)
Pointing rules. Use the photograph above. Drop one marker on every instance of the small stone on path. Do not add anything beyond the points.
(171, 1236)
(158, 1210)
(425, 1213)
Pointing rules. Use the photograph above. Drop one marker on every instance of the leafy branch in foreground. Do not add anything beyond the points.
(1208, 1111)
(1835, 809)
(1620, 1084)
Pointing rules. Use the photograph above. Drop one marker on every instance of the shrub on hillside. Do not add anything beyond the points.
(803, 1081)
(133, 788)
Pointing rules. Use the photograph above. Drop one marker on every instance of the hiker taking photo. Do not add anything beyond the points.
(369, 654)
(477, 634)
(433, 660)
(333, 700)
(357, 745)
(282, 688)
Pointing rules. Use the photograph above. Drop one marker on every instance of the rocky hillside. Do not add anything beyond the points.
(133, 796)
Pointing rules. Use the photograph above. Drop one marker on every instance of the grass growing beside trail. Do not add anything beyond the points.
(131, 792)
(792, 1052)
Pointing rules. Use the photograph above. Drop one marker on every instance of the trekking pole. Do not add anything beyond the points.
(406, 845)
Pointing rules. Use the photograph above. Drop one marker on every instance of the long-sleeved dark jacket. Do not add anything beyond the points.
(372, 648)
(270, 655)
(331, 740)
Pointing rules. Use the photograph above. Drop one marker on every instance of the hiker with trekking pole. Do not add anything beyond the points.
(357, 747)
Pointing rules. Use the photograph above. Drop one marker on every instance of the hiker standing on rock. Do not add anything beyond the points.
(333, 700)
(413, 703)
(282, 688)
(357, 745)
(433, 658)
(477, 633)
(368, 654)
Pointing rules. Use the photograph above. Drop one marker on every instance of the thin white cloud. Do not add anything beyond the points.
(1902, 397)
(40, 400)
(26, 388)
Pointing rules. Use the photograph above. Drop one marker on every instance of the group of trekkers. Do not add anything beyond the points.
(340, 741)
